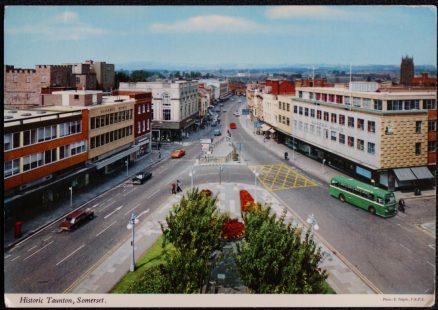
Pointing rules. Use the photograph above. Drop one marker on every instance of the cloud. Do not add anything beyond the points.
(64, 26)
(306, 12)
(209, 23)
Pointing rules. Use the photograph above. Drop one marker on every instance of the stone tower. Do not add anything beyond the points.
(406, 70)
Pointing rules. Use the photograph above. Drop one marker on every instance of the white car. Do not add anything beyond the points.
(236, 114)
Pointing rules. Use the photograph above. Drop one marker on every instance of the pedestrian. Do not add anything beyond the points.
(159, 154)
(173, 188)
(178, 186)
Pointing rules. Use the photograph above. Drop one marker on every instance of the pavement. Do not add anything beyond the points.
(311, 166)
(110, 269)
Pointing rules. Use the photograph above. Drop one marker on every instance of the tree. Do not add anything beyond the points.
(194, 229)
(274, 259)
(121, 76)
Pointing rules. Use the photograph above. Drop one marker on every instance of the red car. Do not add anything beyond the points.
(178, 153)
(233, 126)
(75, 219)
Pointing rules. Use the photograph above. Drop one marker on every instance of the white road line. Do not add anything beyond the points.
(7, 256)
(109, 214)
(48, 238)
(106, 229)
(39, 250)
(15, 258)
(144, 212)
(127, 193)
(406, 247)
(432, 246)
(431, 264)
(94, 206)
(107, 206)
(32, 248)
(70, 255)
(133, 209)
(153, 193)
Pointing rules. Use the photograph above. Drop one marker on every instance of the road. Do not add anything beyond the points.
(393, 253)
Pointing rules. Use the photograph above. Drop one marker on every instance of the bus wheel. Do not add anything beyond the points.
(372, 210)
(342, 198)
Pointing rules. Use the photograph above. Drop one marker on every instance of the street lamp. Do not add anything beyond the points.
(220, 174)
(131, 225)
(256, 174)
(71, 196)
(312, 221)
(127, 168)
(192, 174)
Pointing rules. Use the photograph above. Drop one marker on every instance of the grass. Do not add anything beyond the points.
(328, 289)
(153, 256)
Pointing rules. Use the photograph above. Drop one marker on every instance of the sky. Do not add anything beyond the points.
(218, 35)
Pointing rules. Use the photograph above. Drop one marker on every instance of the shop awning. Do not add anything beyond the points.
(404, 174)
(105, 162)
(422, 173)
(271, 130)
(265, 127)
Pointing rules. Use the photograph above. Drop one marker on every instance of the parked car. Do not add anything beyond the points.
(217, 132)
(213, 124)
(178, 153)
(142, 177)
(236, 114)
(233, 126)
(75, 219)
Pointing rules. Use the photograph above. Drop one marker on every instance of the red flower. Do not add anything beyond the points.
(232, 229)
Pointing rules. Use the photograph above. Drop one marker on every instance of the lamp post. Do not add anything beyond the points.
(192, 174)
(131, 225)
(71, 196)
(256, 174)
(312, 221)
(127, 168)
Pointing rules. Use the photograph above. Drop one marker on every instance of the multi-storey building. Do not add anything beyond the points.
(84, 76)
(22, 88)
(105, 74)
(204, 101)
(406, 70)
(221, 91)
(174, 104)
(142, 119)
(381, 137)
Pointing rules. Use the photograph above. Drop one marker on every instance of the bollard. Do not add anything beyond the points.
(18, 225)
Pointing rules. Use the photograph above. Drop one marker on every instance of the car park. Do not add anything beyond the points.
(178, 153)
(142, 177)
(76, 218)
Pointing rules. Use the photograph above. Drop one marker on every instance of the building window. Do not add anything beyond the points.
(341, 138)
(318, 114)
(148, 108)
(28, 79)
(371, 148)
(331, 98)
(148, 124)
(166, 114)
(360, 144)
(312, 113)
(350, 141)
(306, 112)
(306, 127)
(351, 122)
(300, 110)
(143, 123)
(412, 104)
(346, 100)
(76, 97)
(431, 126)
(360, 124)
(377, 104)
(356, 101)
(326, 133)
(318, 131)
(14, 78)
(43, 79)
(429, 104)
(333, 118)
(341, 119)
(326, 116)
(388, 130)
(333, 135)
(366, 103)
(312, 129)
(418, 127)
(295, 109)
(418, 148)
(288, 107)
(431, 146)
(143, 108)
(138, 127)
(371, 126)
(287, 121)
(138, 109)
(11, 167)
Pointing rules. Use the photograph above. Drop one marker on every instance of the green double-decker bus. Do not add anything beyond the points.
(373, 199)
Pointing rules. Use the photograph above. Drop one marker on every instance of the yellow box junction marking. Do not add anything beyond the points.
(280, 177)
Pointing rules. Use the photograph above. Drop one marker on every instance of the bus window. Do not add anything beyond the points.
(379, 200)
(389, 199)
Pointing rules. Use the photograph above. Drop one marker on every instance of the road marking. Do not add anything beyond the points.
(129, 192)
(107, 206)
(431, 264)
(39, 250)
(144, 212)
(432, 246)
(70, 254)
(48, 238)
(154, 193)
(94, 206)
(109, 214)
(15, 258)
(32, 248)
(133, 209)
(406, 247)
(106, 229)
(7, 256)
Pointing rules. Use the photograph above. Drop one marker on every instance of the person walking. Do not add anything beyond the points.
(159, 154)
(178, 186)
(173, 188)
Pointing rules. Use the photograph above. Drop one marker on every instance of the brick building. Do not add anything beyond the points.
(406, 70)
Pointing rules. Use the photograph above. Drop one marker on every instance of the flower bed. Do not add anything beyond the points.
(247, 203)
(232, 229)
(206, 192)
